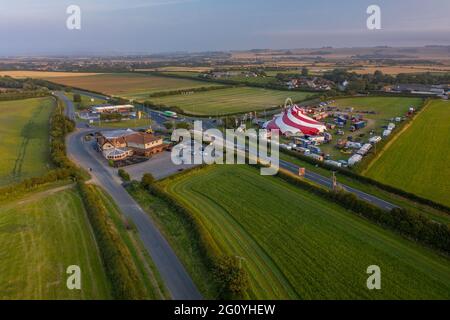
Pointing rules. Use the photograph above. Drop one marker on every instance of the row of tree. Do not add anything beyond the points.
(116, 257)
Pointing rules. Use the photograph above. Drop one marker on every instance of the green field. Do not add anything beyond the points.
(228, 101)
(129, 85)
(24, 132)
(418, 160)
(384, 109)
(124, 124)
(86, 101)
(432, 213)
(41, 235)
(299, 246)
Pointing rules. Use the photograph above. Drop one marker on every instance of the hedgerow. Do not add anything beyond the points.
(116, 257)
(231, 280)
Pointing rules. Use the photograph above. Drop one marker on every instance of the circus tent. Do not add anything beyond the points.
(293, 121)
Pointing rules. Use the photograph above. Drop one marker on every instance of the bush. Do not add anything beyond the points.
(147, 180)
(77, 97)
(231, 277)
(168, 125)
(124, 175)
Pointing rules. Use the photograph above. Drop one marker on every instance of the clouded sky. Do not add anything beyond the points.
(29, 27)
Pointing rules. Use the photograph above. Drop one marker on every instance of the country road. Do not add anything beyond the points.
(169, 266)
(327, 182)
(173, 273)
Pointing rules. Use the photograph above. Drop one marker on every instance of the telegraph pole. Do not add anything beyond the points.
(335, 186)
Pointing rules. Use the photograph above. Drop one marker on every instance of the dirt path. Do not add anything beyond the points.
(37, 196)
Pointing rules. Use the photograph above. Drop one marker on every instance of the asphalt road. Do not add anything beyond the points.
(327, 182)
(175, 276)
(156, 115)
(172, 271)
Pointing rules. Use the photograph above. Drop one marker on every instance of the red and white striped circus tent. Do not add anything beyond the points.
(294, 121)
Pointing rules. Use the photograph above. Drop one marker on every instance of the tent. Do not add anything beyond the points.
(293, 121)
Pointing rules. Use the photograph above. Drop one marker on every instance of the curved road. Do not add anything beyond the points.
(317, 178)
(169, 266)
(175, 276)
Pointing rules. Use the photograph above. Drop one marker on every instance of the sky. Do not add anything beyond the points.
(31, 27)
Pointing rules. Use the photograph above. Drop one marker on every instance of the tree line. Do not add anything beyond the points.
(415, 226)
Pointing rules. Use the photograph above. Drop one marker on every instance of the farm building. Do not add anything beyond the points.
(437, 90)
(294, 122)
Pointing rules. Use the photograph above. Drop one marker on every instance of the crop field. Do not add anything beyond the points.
(418, 160)
(43, 74)
(296, 245)
(24, 132)
(229, 101)
(41, 235)
(127, 85)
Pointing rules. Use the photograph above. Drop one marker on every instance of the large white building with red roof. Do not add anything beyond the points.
(293, 121)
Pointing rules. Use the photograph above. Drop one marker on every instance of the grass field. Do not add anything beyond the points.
(232, 100)
(418, 161)
(127, 85)
(434, 214)
(86, 101)
(384, 109)
(41, 235)
(24, 132)
(298, 245)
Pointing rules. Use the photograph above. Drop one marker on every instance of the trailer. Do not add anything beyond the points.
(353, 145)
(315, 149)
(333, 163)
(364, 149)
(360, 124)
(315, 156)
(391, 126)
(354, 159)
(375, 140)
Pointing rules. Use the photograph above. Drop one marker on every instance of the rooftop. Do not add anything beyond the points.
(115, 134)
(142, 138)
